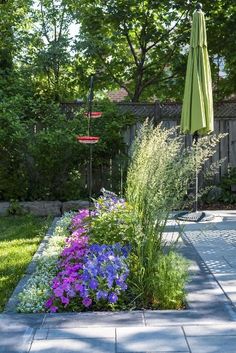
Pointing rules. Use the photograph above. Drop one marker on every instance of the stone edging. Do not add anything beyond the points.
(45, 208)
(13, 301)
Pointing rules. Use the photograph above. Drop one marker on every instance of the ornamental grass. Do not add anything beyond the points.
(158, 181)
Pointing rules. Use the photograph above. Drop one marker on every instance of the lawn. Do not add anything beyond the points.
(19, 239)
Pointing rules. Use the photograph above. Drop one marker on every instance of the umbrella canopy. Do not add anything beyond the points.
(197, 111)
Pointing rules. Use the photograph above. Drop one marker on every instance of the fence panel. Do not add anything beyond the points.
(169, 114)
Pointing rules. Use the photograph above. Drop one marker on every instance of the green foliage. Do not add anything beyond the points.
(12, 24)
(142, 46)
(220, 21)
(161, 285)
(50, 53)
(135, 43)
(161, 171)
(15, 208)
(19, 239)
(224, 192)
(228, 182)
(113, 226)
(33, 151)
(169, 277)
(13, 136)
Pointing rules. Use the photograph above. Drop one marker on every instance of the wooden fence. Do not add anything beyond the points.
(169, 114)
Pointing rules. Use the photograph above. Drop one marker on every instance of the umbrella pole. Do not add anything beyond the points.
(195, 141)
(196, 188)
(195, 216)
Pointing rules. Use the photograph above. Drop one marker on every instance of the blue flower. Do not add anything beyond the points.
(112, 298)
(121, 284)
(101, 294)
(93, 284)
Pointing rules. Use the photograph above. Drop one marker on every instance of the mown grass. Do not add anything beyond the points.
(19, 239)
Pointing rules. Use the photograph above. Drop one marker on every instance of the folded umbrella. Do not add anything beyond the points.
(197, 116)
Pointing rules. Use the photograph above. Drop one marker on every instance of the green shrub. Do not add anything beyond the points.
(224, 192)
(39, 156)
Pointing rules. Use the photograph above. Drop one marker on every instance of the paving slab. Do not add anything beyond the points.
(80, 333)
(216, 330)
(11, 321)
(16, 341)
(41, 334)
(207, 315)
(212, 344)
(108, 319)
(227, 225)
(74, 345)
(151, 339)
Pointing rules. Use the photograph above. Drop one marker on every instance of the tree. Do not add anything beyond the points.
(221, 21)
(48, 55)
(142, 45)
(138, 44)
(12, 22)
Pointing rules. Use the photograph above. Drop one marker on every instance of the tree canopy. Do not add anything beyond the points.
(138, 45)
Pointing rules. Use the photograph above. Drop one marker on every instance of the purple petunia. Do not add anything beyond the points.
(87, 302)
(112, 298)
(101, 294)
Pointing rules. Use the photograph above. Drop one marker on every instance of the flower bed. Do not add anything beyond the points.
(83, 269)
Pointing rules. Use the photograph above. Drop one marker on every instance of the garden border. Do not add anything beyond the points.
(44, 208)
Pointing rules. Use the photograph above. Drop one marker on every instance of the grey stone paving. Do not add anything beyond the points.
(216, 245)
(208, 325)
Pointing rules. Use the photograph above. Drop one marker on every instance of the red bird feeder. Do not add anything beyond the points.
(87, 140)
(93, 115)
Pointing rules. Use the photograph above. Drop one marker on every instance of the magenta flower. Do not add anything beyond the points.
(87, 302)
(58, 292)
(49, 303)
(53, 308)
(65, 300)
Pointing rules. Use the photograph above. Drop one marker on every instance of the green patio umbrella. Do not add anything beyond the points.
(197, 111)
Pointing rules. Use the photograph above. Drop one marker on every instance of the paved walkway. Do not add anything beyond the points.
(207, 326)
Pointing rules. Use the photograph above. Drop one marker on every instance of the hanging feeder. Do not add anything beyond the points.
(87, 140)
(93, 115)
